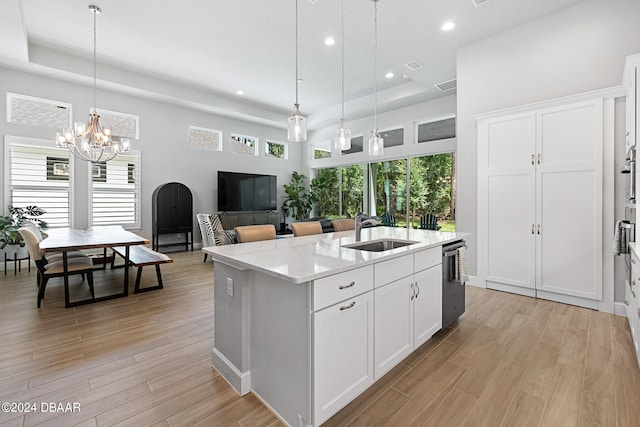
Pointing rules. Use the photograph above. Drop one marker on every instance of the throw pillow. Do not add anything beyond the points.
(225, 237)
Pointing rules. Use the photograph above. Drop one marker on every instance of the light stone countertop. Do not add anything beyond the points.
(305, 258)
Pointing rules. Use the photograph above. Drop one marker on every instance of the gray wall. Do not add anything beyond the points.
(575, 50)
(165, 153)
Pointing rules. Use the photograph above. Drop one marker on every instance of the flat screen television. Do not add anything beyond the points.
(246, 192)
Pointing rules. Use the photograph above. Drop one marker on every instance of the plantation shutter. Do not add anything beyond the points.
(116, 191)
(40, 176)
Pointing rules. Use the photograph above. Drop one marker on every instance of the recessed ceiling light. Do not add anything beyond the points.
(329, 41)
(239, 92)
(448, 26)
(389, 75)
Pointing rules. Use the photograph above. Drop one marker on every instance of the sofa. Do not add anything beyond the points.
(231, 220)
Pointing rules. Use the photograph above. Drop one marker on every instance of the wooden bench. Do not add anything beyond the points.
(139, 256)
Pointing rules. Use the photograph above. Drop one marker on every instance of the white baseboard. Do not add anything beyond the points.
(474, 281)
(620, 309)
(240, 381)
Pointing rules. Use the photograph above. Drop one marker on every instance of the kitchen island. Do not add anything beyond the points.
(308, 323)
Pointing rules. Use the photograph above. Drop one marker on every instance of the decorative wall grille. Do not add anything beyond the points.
(205, 139)
(27, 110)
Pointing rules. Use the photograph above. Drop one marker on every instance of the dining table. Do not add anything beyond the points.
(64, 240)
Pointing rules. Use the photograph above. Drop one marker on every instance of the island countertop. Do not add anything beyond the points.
(305, 258)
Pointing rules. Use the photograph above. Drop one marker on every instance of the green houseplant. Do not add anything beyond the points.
(9, 225)
(300, 199)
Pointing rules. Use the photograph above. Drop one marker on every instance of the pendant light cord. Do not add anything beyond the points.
(94, 60)
(297, 54)
(342, 63)
(375, 66)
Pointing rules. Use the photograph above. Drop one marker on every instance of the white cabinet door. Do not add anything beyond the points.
(569, 200)
(427, 304)
(506, 197)
(634, 319)
(393, 324)
(343, 354)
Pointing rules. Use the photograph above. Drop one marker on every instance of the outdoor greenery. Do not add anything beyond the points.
(432, 189)
(353, 187)
(275, 150)
(9, 225)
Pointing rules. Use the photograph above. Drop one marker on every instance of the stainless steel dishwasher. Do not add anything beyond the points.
(452, 285)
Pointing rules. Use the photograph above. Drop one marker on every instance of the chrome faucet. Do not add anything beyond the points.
(360, 223)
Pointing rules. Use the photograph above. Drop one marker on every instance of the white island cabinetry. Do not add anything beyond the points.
(304, 322)
(408, 306)
(342, 339)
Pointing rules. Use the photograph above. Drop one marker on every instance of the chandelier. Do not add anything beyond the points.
(93, 143)
(297, 123)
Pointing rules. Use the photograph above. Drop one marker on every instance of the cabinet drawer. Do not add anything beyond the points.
(393, 269)
(427, 259)
(332, 289)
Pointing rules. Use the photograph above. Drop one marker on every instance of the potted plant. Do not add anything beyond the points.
(10, 239)
(300, 199)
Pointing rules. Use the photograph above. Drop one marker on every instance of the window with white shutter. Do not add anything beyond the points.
(39, 175)
(115, 197)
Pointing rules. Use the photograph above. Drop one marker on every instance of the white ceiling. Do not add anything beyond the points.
(227, 45)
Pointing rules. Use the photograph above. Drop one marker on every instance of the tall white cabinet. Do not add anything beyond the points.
(540, 202)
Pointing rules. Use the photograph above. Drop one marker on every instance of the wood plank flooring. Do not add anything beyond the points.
(146, 360)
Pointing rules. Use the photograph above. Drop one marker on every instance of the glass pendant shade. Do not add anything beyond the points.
(297, 126)
(376, 145)
(343, 138)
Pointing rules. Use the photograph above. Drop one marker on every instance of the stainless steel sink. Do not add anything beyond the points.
(379, 245)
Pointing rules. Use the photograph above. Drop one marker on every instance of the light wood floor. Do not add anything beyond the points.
(146, 360)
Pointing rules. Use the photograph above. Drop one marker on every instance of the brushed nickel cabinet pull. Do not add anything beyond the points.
(533, 159)
(346, 286)
(418, 289)
(533, 229)
(539, 158)
(413, 291)
(347, 307)
(538, 228)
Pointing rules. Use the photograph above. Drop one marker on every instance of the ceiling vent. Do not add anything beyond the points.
(413, 65)
(316, 1)
(476, 3)
(448, 85)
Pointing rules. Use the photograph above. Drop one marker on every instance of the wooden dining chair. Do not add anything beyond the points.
(306, 228)
(344, 224)
(255, 233)
(46, 270)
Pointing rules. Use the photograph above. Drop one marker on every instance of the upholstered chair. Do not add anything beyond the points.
(306, 228)
(344, 224)
(209, 224)
(46, 270)
(254, 233)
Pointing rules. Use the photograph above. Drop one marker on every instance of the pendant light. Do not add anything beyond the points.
(92, 143)
(376, 143)
(297, 123)
(343, 135)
